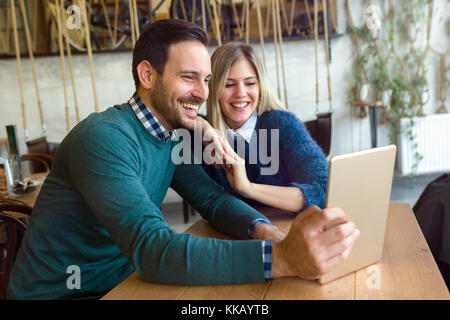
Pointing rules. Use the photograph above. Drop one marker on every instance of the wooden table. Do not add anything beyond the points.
(407, 270)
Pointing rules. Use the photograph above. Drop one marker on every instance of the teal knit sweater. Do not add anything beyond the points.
(98, 210)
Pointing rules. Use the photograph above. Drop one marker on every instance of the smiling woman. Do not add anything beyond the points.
(240, 95)
(243, 109)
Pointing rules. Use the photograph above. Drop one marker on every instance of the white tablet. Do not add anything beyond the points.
(360, 184)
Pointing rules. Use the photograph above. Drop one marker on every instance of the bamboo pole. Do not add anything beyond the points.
(35, 23)
(316, 40)
(33, 66)
(203, 14)
(69, 60)
(63, 65)
(194, 2)
(269, 13)
(308, 14)
(136, 20)
(261, 36)
(236, 18)
(89, 50)
(333, 14)
(131, 12)
(327, 53)
(19, 69)
(247, 21)
(108, 24)
(275, 42)
(2, 37)
(242, 17)
(291, 21)
(116, 16)
(216, 20)
(283, 11)
(280, 39)
(183, 10)
(8, 48)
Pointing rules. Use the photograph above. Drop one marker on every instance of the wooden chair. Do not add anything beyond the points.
(40, 150)
(40, 162)
(12, 230)
(320, 130)
(41, 145)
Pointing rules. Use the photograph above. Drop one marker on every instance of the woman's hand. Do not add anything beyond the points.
(235, 171)
(223, 156)
(210, 135)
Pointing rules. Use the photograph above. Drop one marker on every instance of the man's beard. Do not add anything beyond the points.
(160, 101)
(170, 110)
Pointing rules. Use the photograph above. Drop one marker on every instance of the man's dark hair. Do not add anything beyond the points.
(154, 42)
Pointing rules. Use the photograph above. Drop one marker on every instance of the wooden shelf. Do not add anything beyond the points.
(361, 104)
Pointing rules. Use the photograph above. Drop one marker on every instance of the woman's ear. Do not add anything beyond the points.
(145, 73)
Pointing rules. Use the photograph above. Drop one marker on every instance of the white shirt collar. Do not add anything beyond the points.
(246, 130)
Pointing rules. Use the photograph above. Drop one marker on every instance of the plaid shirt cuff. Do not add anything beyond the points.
(267, 258)
(266, 248)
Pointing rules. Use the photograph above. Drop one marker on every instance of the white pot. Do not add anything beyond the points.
(406, 97)
(424, 97)
(386, 97)
(364, 91)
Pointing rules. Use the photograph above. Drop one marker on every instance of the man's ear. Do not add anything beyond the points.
(146, 73)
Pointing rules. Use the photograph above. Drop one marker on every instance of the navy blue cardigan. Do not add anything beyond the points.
(301, 161)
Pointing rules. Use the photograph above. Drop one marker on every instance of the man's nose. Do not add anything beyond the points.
(201, 91)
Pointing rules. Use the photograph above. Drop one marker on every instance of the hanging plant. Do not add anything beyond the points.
(390, 60)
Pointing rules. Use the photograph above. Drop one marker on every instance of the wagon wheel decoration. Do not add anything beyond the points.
(109, 26)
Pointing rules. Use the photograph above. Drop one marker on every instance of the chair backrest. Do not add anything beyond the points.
(320, 130)
(12, 230)
(40, 146)
(40, 162)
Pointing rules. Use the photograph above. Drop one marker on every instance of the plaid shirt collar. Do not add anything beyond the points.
(148, 120)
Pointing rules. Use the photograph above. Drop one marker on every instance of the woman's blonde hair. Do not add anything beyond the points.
(221, 61)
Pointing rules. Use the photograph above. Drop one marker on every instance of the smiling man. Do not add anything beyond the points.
(174, 94)
(97, 217)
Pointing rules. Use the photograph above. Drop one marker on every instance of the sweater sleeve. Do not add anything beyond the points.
(105, 172)
(223, 211)
(303, 160)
